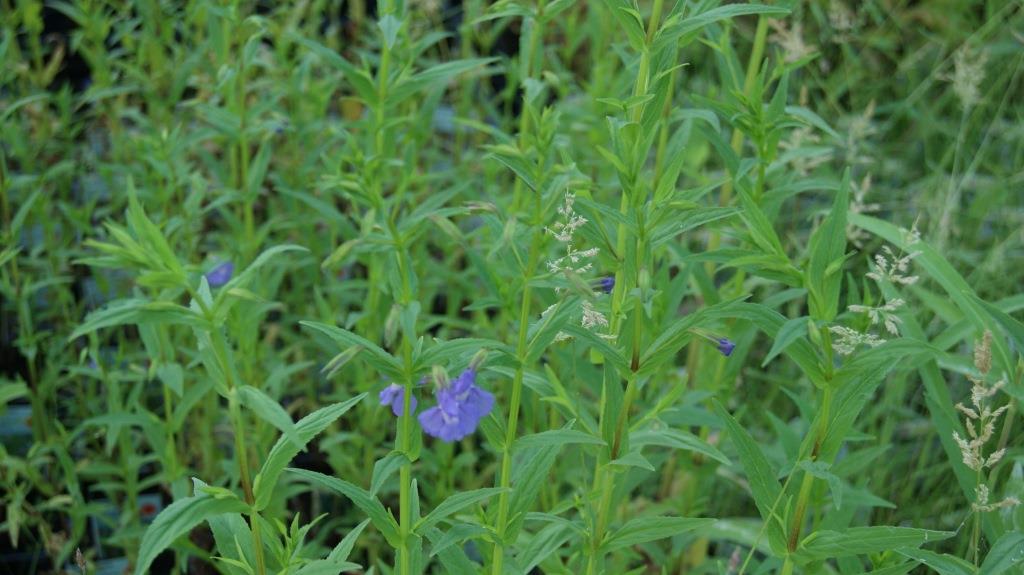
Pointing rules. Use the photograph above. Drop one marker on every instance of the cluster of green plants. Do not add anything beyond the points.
(527, 286)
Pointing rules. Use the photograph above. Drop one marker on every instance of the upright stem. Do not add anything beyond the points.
(238, 427)
(604, 477)
(505, 477)
(807, 484)
(405, 435)
(605, 481)
(242, 150)
(243, 466)
(526, 69)
(753, 65)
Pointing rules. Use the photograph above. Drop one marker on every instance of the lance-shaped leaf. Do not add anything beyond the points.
(760, 475)
(284, 450)
(270, 411)
(369, 504)
(644, 529)
(178, 519)
(374, 354)
(828, 544)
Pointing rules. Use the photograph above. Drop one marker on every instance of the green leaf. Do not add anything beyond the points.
(376, 356)
(940, 563)
(178, 519)
(530, 471)
(284, 450)
(136, 311)
(1007, 552)
(233, 540)
(901, 569)
(644, 529)
(828, 544)
(760, 227)
(813, 119)
(673, 29)
(327, 567)
(822, 470)
(344, 547)
(435, 76)
(172, 376)
(827, 246)
(389, 27)
(385, 468)
(12, 391)
(632, 459)
(760, 475)
(629, 21)
(514, 160)
(243, 279)
(360, 80)
(452, 557)
(856, 382)
(790, 331)
(1012, 326)
(456, 534)
(556, 438)
(675, 336)
(454, 504)
(270, 411)
(676, 439)
(444, 352)
(939, 269)
(369, 504)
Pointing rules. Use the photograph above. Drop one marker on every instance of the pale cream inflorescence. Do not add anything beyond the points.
(891, 268)
(968, 74)
(980, 423)
(848, 340)
(884, 314)
(860, 205)
(575, 262)
(791, 40)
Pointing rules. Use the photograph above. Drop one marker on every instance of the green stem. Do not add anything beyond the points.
(526, 68)
(505, 477)
(604, 478)
(606, 481)
(753, 65)
(238, 425)
(243, 466)
(807, 484)
(405, 422)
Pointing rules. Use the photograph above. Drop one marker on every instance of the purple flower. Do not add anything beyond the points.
(394, 395)
(608, 283)
(221, 274)
(460, 407)
(725, 346)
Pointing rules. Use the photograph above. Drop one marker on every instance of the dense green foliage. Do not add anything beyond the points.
(693, 287)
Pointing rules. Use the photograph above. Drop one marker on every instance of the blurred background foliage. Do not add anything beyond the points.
(237, 137)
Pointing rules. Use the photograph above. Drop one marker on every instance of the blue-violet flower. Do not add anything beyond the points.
(460, 407)
(394, 395)
(725, 346)
(220, 275)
